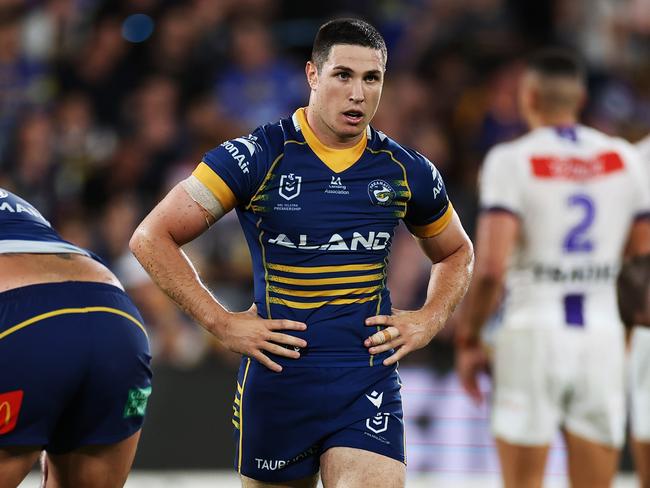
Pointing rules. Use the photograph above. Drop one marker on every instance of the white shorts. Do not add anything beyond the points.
(639, 375)
(547, 378)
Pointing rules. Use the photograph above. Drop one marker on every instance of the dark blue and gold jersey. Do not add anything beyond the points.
(319, 224)
(24, 230)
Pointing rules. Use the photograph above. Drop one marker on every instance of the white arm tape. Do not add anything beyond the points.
(203, 196)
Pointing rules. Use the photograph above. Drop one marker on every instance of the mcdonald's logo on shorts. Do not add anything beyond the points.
(10, 403)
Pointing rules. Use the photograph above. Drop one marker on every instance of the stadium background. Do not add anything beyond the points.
(105, 105)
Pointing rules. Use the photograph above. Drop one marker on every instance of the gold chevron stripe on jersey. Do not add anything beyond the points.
(325, 293)
(311, 287)
(326, 281)
(306, 305)
(324, 269)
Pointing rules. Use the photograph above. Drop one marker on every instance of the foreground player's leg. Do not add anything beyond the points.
(641, 453)
(522, 466)
(310, 482)
(346, 467)
(591, 464)
(15, 463)
(105, 466)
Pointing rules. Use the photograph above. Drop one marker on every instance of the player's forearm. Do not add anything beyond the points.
(174, 273)
(480, 303)
(448, 284)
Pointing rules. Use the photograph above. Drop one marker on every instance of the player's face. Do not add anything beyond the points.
(345, 93)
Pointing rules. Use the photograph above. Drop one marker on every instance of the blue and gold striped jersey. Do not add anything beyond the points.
(24, 230)
(319, 224)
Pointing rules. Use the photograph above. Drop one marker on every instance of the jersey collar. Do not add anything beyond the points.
(338, 160)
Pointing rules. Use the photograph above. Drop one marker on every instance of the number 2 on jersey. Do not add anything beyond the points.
(577, 240)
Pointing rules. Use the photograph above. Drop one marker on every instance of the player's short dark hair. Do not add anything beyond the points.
(633, 290)
(345, 31)
(554, 62)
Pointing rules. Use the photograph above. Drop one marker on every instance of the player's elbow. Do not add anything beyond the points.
(139, 242)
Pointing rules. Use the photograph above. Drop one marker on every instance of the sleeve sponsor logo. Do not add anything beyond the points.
(574, 168)
(249, 144)
(136, 403)
(10, 404)
(19, 208)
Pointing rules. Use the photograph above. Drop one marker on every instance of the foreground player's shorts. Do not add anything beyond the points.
(285, 421)
(548, 378)
(639, 369)
(74, 366)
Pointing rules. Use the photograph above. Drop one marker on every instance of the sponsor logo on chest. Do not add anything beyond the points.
(336, 187)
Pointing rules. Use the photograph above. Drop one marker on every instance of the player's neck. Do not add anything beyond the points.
(326, 135)
(552, 120)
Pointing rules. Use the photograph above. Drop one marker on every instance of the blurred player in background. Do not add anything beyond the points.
(560, 207)
(644, 148)
(634, 306)
(630, 280)
(318, 196)
(74, 358)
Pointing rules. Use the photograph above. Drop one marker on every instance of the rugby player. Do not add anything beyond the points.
(318, 196)
(560, 207)
(74, 358)
(638, 319)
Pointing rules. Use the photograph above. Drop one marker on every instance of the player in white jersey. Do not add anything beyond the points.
(639, 369)
(644, 148)
(560, 208)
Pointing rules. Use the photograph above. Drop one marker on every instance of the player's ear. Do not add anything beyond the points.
(312, 74)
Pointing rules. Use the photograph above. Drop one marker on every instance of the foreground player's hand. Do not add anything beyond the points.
(405, 331)
(471, 360)
(247, 333)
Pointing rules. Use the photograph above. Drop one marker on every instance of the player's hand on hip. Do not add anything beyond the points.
(249, 334)
(404, 331)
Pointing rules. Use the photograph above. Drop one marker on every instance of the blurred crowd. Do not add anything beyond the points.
(105, 105)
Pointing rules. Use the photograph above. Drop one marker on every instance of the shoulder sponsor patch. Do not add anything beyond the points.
(136, 403)
(10, 403)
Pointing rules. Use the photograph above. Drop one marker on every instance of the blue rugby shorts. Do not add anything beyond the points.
(284, 421)
(74, 363)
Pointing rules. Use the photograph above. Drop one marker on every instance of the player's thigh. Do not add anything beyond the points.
(309, 482)
(15, 463)
(595, 411)
(522, 466)
(346, 467)
(101, 466)
(526, 408)
(591, 464)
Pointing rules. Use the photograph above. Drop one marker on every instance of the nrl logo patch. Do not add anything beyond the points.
(381, 193)
(289, 186)
(378, 423)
